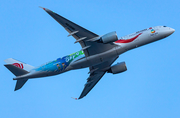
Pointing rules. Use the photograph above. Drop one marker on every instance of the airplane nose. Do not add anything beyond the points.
(171, 30)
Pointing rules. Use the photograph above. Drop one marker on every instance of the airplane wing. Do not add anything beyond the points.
(96, 73)
(81, 35)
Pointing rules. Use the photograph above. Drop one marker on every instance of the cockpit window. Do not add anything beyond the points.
(164, 26)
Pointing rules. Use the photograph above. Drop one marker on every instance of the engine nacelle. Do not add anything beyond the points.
(118, 68)
(109, 37)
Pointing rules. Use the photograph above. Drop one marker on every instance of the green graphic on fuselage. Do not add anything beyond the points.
(74, 56)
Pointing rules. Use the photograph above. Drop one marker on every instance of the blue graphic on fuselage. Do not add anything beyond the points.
(60, 64)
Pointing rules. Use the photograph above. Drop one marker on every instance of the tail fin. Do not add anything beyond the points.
(19, 64)
(18, 68)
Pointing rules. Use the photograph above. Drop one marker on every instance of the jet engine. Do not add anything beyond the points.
(109, 37)
(118, 68)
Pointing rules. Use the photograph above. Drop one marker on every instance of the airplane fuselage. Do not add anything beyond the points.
(78, 60)
(98, 53)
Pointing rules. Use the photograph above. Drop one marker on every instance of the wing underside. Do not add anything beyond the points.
(89, 46)
(96, 73)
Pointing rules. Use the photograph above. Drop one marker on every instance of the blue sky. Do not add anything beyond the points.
(149, 89)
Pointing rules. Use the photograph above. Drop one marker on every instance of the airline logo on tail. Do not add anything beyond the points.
(18, 65)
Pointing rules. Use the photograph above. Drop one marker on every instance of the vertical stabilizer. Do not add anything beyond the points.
(19, 64)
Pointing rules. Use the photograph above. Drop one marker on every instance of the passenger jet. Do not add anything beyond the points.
(98, 53)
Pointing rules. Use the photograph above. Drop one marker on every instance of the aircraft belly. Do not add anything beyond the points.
(99, 58)
(36, 75)
(94, 59)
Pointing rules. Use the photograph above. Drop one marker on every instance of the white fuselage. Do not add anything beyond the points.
(124, 44)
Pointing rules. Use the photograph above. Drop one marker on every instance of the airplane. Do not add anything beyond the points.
(98, 53)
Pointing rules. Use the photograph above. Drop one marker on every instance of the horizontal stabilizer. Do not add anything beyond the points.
(16, 70)
(20, 83)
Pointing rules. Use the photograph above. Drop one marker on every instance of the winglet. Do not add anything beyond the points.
(42, 7)
(74, 98)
